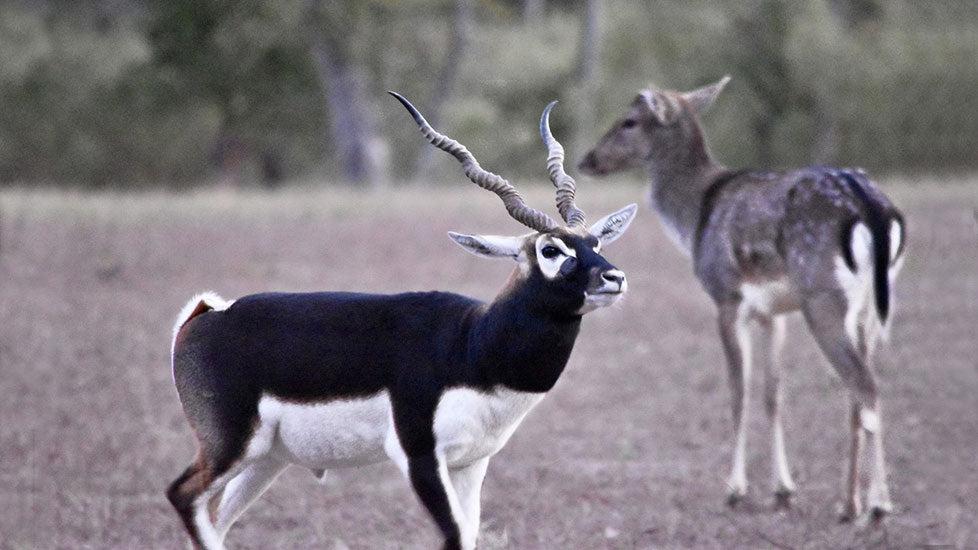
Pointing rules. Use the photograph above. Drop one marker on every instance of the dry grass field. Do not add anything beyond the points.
(630, 449)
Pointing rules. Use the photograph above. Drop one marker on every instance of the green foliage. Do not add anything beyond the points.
(148, 94)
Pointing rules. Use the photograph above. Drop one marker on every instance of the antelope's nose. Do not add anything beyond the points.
(614, 277)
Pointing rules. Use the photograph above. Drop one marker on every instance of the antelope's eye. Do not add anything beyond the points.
(628, 123)
(549, 252)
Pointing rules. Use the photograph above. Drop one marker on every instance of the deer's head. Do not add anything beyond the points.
(658, 127)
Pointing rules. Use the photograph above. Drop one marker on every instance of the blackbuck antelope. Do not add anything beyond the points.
(825, 241)
(434, 381)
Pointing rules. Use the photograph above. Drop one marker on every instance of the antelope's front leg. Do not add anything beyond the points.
(428, 474)
(467, 482)
(430, 481)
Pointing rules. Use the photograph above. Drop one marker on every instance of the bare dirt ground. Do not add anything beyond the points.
(630, 450)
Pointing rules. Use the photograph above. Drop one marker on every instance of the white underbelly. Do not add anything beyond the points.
(472, 424)
(468, 425)
(335, 434)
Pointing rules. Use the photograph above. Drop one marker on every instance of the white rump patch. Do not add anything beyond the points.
(211, 299)
(896, 239)
(858, 285)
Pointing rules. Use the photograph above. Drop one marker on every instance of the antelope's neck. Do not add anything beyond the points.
(519, 347)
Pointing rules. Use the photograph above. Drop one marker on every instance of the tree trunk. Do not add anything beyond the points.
(763, 131)
(445, 81)
(351, 128)
(588, 57)
(533, 12)
(826, 146)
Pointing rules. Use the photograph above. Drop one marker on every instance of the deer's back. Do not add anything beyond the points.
(748, 218)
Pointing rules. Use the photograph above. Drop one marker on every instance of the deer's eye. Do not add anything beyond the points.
(629, 123)
(550, 252)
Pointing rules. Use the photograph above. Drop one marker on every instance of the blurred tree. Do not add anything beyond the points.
(132, 92)
(857, 16)
(245, 59)
(343, 85)
(760, 31)
(447, 77)
(533, 11)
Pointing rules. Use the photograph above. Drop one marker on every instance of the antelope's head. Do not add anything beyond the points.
(659, 127)
(559, 265)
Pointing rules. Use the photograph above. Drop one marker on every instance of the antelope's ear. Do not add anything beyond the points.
(489, 246)
(701, 99)
(610, 227)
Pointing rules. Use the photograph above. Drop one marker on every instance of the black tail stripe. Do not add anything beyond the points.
(876, 219)
(845, 238)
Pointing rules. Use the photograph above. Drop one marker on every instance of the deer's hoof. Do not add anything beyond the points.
(782, 499)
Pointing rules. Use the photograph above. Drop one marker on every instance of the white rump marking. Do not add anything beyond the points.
(212, 300)
(896, 239)
(858, 285)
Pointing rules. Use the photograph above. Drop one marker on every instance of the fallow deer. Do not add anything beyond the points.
(824, 241)
(435, 382)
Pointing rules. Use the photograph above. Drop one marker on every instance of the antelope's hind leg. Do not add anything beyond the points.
(244, 489)
(191, 495)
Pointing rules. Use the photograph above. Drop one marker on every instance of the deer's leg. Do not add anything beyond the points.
(847, 351)
(467, 482)
(878, 497)
(737, 346)
(244, 489)
(852, 506)
(770, 340)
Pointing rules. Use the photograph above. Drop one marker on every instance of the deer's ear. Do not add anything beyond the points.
(653, 103)
(489, 246)
(701, 99)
